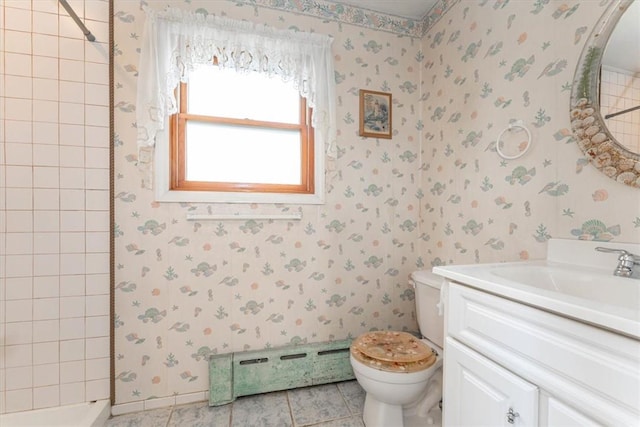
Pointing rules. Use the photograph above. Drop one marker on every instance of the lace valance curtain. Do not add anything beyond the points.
(177, 41)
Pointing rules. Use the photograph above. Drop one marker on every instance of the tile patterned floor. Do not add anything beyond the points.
(329, 405)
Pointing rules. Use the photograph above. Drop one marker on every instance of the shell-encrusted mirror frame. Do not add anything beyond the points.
(589, 128)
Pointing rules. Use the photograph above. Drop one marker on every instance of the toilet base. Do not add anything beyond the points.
(378, 414)
(432, 419)
(424, 412)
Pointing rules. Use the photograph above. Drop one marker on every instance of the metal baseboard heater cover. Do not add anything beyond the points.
(261, 371)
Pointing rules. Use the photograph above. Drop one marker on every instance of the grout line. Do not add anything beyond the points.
(231, 412)
(344, 398)
(293, 421)
(230, 416)
(169, 417)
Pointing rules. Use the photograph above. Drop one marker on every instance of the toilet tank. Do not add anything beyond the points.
(427, 288)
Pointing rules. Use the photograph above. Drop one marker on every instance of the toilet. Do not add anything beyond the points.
(402, 374)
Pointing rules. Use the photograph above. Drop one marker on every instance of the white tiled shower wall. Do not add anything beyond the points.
(620, 90)
(54, 205)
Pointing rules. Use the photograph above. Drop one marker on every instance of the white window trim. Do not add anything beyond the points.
(164, 194)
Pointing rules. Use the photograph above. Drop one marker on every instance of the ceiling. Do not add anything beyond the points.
(413, 9)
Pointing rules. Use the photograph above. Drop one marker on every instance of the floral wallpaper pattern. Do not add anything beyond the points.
(436, 193)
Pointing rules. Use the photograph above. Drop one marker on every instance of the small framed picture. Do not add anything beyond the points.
(375, 114)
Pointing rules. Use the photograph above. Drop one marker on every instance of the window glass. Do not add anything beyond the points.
(229, 93)
(242, 137)
(242, 154)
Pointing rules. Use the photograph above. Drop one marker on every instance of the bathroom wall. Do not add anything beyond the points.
(185, 290)
(489, 63)
(436, 193)
(54, 203)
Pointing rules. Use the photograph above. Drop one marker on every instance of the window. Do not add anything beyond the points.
(206, 147)
(240, 132)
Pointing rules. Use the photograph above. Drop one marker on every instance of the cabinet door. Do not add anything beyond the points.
(554, 412)
(478, 392)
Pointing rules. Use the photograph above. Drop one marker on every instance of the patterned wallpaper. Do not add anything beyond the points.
(185, 290)
(341, 12)
(488, 64)
(436, 193)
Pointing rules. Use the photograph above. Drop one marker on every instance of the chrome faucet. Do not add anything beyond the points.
(626, 262)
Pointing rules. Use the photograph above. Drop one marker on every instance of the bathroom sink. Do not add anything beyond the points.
(575, 280)
(590, 284)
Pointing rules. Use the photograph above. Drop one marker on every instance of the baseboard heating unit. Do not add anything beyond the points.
(252, 372)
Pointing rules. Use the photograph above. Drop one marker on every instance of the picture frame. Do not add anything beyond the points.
(375, 114)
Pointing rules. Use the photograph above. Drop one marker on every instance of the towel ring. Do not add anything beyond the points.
(517, 124)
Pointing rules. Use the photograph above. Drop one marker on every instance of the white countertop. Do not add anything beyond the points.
(587, 290)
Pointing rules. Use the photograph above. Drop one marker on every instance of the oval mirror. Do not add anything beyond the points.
(604, 88)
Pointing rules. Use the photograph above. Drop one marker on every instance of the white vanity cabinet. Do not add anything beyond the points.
(481, 392)
(508, 363)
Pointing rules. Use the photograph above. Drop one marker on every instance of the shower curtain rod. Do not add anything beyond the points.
(74, 16)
